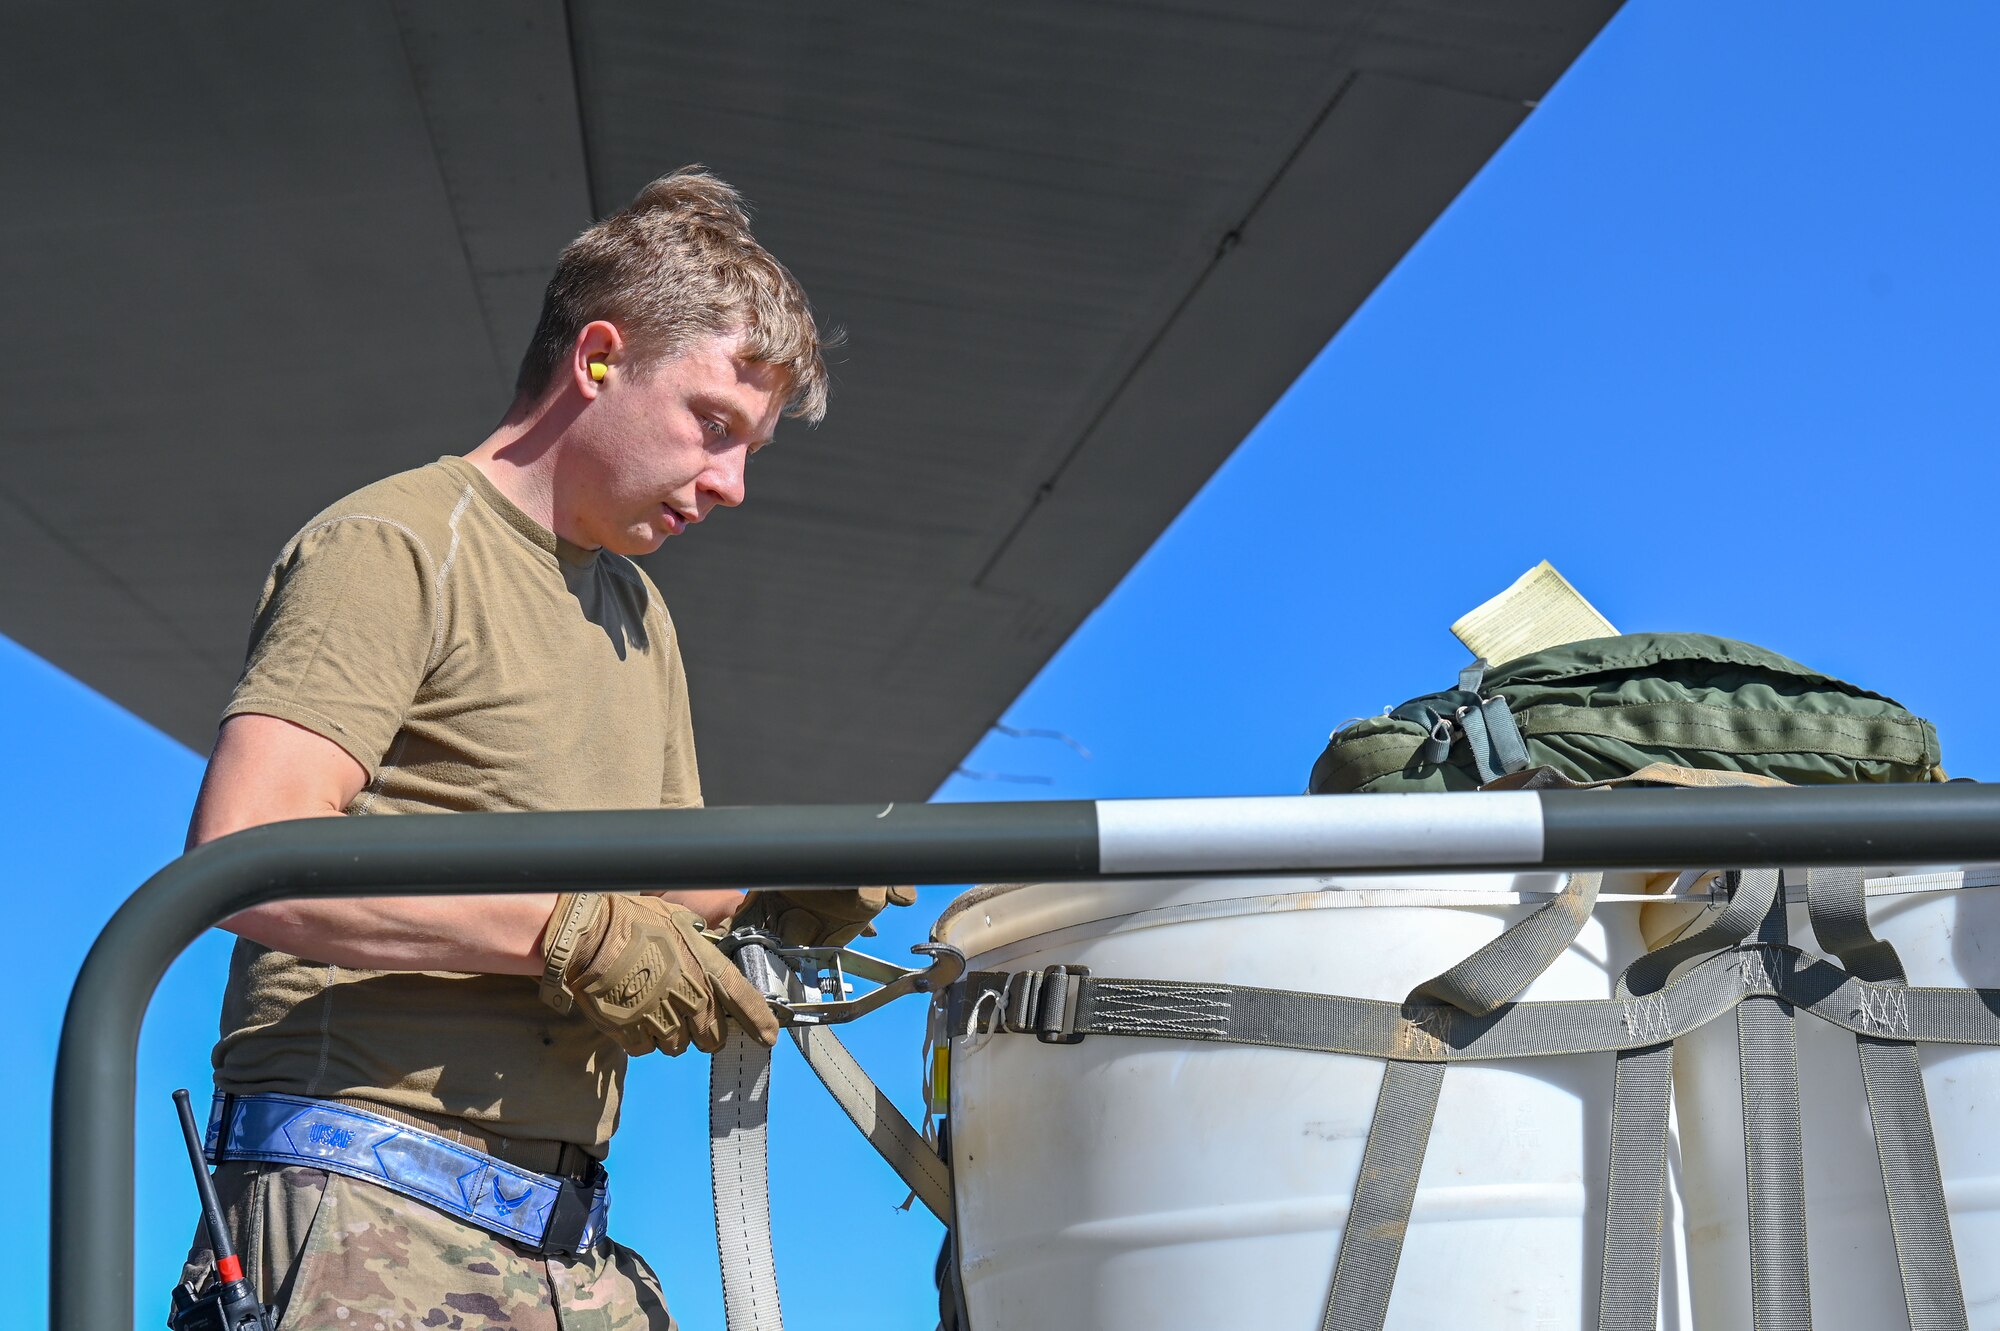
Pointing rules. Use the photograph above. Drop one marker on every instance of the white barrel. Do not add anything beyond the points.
(1129, 1184)
(1947, 936)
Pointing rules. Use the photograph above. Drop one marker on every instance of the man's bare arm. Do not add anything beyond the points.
(266, 770)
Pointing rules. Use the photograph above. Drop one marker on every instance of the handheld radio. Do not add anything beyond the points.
(230, 1304)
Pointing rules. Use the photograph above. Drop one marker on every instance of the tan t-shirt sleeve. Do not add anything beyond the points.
(343, 635)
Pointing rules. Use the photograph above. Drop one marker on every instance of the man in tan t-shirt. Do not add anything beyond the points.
(415, 1092)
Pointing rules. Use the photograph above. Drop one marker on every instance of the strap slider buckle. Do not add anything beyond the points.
(1056, 1012)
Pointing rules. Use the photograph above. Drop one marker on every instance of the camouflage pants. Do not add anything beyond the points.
(341, 1254)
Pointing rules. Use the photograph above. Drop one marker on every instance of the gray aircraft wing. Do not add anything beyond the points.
(260, 255)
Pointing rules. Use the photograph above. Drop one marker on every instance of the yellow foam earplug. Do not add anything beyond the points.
(597, 371)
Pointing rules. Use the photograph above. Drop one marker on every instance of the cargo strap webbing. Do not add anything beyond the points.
(1371, 1242)
(1763, 980)
(1492, 735)
(1635, 1211)
(1636, 1208)
(739, 1104)
(1751, 896)
(1774, 1161)
(893, 1136)
(1494, 739)
(739, 1090)
(1912, 1183)
(1067, 1006)
(1498, 972)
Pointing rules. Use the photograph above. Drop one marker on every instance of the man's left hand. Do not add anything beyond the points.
(714, 904)
(828, 917)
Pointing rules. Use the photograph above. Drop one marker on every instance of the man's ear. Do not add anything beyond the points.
(595, 357)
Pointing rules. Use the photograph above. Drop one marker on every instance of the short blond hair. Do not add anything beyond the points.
(673, 266)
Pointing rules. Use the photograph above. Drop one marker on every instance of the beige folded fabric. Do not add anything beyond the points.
(1541, 610)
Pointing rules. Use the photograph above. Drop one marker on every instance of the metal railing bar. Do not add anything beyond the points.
(91, 1231)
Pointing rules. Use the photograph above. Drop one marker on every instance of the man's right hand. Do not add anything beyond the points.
(641, 971)
(714, 904)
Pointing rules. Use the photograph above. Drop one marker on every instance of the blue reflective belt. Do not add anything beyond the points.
(548, 1212)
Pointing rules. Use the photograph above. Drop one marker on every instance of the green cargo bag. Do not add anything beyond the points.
(1605, 708)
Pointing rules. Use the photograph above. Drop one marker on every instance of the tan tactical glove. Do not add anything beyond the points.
(834, 917)
(642, 972)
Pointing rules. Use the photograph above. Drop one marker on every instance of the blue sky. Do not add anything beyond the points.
(1714, 333)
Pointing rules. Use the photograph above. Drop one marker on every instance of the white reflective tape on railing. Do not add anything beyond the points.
(1319, 832)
